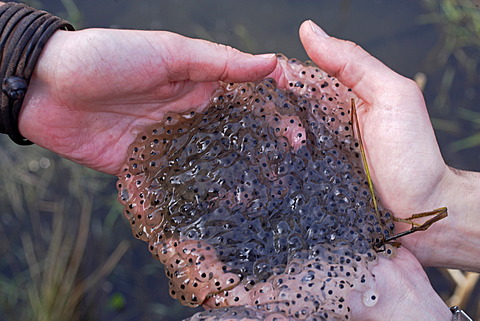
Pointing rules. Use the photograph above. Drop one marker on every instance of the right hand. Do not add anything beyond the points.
(407, 168)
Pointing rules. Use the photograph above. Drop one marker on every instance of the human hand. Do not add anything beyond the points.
(407, 168)
(92, 90)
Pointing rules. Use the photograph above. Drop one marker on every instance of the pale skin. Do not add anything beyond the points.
(93, 90)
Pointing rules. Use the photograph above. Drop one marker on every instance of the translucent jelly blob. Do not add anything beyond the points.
(259, 206)
(370, 298)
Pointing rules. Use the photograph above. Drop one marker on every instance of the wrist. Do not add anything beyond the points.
(462, 234)
(34, 117)
(455, 239)
(25, 34)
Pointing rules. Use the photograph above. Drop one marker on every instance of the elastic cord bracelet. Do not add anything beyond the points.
(24, 33)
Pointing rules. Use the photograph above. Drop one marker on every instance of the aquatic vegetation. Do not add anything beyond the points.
(457, 58)
(45, 272)
(460, 24)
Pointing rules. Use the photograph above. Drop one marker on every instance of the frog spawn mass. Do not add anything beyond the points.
(259, 207)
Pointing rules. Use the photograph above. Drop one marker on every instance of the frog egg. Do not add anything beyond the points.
(164, 252)
(370, 298)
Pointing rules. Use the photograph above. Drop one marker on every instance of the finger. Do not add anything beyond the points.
(201, 60)
(369, 78)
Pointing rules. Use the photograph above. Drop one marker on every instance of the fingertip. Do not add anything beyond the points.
(351, 64)
(268, 60)
(252, 67)
(319, 46)
(317, 43)
(308, 26)
(267, 56)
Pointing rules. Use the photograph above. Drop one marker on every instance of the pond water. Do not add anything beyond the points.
(390, 30)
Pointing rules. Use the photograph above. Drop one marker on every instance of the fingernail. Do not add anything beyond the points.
(266, 56)
(315, 28)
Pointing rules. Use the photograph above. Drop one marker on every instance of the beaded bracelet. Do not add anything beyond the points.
(24, 33)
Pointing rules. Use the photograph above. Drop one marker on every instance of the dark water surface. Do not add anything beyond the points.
(390, 30)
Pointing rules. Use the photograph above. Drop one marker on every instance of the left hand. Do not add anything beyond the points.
(93, 90)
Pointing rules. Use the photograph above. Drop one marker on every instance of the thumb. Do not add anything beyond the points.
(369, 78)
